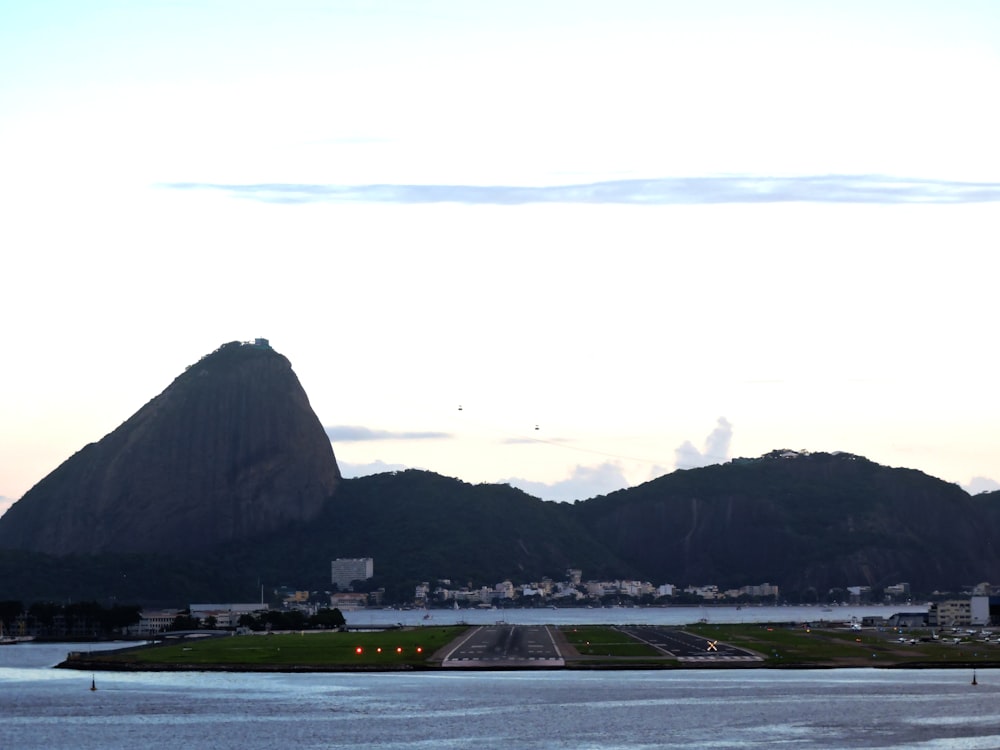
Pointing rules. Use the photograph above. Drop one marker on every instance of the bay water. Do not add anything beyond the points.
(42, 707)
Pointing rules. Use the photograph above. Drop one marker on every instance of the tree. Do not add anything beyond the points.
(83, 616)
(44, 613)
(184, 621)
(247, 620)
(10, 611)
(119, 617)
(328, 618)
(295, 619)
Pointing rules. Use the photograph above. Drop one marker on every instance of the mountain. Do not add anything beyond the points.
(230, 451)
(804, 521)
(227, 481)
(420, 525)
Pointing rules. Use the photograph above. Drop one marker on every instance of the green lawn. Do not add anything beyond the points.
(385, 648)
(832, 647)
(596, 640)
(597, 645)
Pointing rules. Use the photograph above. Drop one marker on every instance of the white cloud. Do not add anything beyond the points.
(584, 482)
(665, 191)
(350, 471)
(981, 484)
(716, 448)
(354, 433)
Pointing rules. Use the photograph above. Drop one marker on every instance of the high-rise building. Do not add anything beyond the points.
(345, 570)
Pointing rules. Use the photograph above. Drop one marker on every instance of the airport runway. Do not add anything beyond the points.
(507, 646)
(687, 647)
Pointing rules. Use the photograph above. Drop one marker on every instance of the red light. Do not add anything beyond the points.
(399, 649)
(419, 650)
(379, 649)
(358, 650)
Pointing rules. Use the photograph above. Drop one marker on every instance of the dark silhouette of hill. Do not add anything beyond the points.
(231, 450)
(226, 481)
(804, 521)
(808, 524)
(421, 526)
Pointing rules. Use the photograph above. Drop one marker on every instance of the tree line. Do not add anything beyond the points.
(272, 619)
(50, 619)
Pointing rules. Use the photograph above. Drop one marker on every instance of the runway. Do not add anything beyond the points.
(505, 646)
(687, 647)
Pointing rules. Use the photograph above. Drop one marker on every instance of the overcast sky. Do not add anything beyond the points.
(624, 237)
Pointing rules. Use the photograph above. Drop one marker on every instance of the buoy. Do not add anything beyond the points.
(93, 685)
(974, 682)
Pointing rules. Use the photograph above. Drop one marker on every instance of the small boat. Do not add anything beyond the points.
(7, 640)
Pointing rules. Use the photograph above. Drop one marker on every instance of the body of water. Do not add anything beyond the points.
(41, 707)
(621, 615)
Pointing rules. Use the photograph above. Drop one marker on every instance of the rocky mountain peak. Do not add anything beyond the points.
(231, 450)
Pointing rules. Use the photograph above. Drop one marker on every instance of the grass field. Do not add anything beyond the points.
(598, 646)
(788, 646)
(391, 648)
(600, 640)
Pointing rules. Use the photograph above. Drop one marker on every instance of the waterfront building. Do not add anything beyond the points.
(344, 571)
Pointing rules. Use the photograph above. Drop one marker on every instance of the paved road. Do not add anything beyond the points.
(502, 645)
(688, 647)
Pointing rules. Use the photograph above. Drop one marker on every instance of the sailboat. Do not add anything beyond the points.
(7, 640)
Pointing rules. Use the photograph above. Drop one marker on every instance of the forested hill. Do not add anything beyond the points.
(227, 481)
(804, 521)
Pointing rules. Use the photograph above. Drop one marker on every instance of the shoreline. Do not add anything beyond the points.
(107, 666)
(743, 647)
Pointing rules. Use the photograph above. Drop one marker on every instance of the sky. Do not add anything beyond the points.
(572, 246)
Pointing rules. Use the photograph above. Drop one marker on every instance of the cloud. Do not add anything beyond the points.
(716, 448)
(584, 482)
(665, 191)
(350, 471)
(981, 484)
(353, 434)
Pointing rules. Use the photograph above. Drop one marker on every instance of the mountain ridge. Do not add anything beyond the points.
(228, 479)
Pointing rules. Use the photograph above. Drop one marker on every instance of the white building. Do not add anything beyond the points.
(705, 592)
(763, 589)
(346, 570)
(504, 590)
(979, 609)
(152, 622)
(226, 615)
(348, 601)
